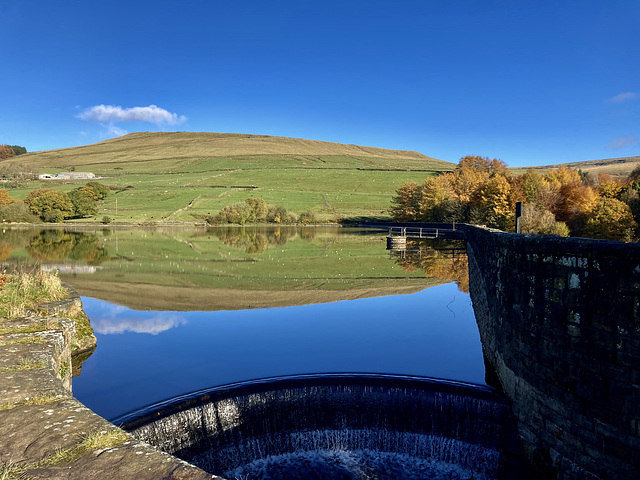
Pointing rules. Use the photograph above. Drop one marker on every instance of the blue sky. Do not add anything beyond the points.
(529, 82)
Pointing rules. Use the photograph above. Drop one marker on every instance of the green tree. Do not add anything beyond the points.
(307, 217)
(17, 149)
(259, 209)
(279, 214)
(635, 174)
(84, 204)
(17, 212)
(56, 202)
(100, 191)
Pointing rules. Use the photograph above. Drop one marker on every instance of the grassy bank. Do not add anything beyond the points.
(22, 292)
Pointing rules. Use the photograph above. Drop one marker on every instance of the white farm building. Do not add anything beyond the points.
(68, 176)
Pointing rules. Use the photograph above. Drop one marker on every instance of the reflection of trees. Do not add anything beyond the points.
(444, 261)
(57, 245)
(308, 233)
(17, 239)
(254, 240)
(5, 251)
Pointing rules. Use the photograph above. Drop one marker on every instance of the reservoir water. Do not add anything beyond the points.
(201, 328)
(147, 356)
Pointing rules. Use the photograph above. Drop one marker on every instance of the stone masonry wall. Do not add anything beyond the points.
(560, 322)
(44, 431)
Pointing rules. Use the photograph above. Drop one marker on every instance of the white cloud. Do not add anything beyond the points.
(623, 97)
(621, 142)
(113, 131)
(110, 114)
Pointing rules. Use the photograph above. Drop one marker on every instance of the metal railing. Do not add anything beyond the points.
(417, 232)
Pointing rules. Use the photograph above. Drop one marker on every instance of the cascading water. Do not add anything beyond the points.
(337, 427)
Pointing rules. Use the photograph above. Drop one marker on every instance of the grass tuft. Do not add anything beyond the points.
(94, 441)
(63, 370)
(40, 400)
(22, 341)
(9, 471)
(26, 365)
(22, 292)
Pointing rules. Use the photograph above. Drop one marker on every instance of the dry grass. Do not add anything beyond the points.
(95, 441)
(10, 471)
(145, 146)
(24, 291)
(41, 400)
(617, 167)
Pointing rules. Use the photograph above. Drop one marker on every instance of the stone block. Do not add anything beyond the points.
(32, 432)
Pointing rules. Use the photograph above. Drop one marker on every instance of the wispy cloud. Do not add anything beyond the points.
(110, 114)
(114, 131)
(621, 142)
(623, 97)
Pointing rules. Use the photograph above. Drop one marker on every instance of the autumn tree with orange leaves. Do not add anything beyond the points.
(562, 201)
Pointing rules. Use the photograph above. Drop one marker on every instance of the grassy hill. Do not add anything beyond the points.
(175, 177)
(150, 146)
(618, 167)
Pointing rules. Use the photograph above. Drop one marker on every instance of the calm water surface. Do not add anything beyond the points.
(356, 308)
(145, 357)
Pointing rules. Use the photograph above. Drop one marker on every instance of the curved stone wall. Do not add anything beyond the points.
(560, 322)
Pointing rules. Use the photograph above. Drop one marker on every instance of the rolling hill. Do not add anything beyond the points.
(153, 146)
(181, 176)
(161, 177)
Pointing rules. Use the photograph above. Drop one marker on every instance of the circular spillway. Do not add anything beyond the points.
(337, 427)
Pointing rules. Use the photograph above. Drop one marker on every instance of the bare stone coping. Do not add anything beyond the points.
(37, 367)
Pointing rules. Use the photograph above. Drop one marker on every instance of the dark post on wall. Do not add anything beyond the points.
(518, 215)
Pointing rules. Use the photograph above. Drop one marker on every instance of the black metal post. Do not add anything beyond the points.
(518, 215)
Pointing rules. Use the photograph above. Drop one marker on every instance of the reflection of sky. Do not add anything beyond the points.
(107, 318)
(430, 333)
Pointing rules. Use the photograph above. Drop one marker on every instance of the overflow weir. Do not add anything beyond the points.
(338, 426)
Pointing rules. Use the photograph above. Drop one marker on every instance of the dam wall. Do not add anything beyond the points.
(560, 322)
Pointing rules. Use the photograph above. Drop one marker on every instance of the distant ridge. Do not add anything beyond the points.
(144, 146)
(618, 167)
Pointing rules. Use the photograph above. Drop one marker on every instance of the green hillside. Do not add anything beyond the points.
(177, 177)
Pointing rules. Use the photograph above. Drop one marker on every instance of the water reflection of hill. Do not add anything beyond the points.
(217, 268)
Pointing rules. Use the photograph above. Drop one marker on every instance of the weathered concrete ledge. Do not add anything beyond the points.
(44, 431)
